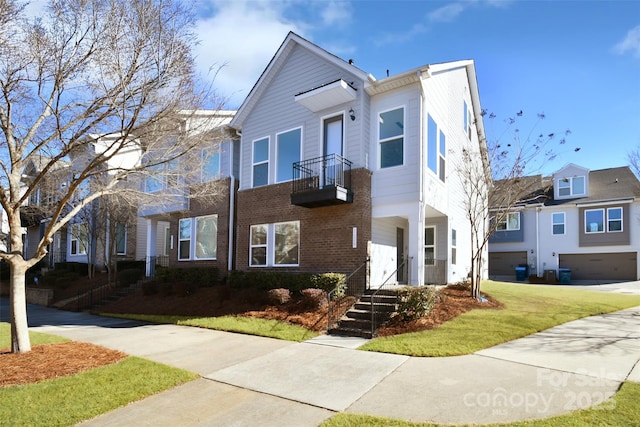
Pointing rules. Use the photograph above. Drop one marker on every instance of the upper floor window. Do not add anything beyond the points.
(391, 138)
(509, 222)
(162, 176)
(210, 164)
(288, 151)
(443, 150)
(558, 222)
(571, 186)
(261, 162)
(614, 219)
(594, 221)
(467, 120)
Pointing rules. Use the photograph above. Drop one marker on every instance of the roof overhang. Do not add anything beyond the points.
(326, 96)
(590, 203)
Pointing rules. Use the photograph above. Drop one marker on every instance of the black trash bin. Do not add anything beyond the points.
(565, 276)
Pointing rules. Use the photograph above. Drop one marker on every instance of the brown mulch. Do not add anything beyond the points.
(48, 361)
(455, 302)
(55, 360)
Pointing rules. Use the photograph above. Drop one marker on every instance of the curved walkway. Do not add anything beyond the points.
(247, 380)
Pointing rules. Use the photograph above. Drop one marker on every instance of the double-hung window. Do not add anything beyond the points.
(454, 249)
(275, 244)
(261, 162)
(288, 151)
(198, 238)
(558, 223)
(509, 222)
(429, 245)
(467, 119)
(391, 138)
(571, 186)
(443, 150)
(614, 219)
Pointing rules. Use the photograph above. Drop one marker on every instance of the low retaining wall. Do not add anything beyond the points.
(39, 296)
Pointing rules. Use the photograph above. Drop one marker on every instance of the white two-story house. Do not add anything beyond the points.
(583, 222)
(337, 167)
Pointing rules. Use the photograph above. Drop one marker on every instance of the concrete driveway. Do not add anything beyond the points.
(248, 381)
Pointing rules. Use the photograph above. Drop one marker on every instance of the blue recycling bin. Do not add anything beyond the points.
(565, 276)
(521, 274)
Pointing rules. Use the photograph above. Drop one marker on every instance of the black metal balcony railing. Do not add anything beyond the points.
(322, 181)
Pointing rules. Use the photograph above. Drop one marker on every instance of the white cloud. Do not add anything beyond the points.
(447, 13)
(631, 43)
(244, 35)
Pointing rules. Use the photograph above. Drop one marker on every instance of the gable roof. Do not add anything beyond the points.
(605, 185)
(278, 60)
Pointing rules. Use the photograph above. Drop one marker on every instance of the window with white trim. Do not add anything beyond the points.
(275, 244)
(454, 249)
(198, 238)
(557, 223)
(441, 157)
(614, 220)
(260, 162)
(509, 222)
(210, 164)
(391, 137)
(571, 186)
(79, 239)
(288, 152)
(467, 119)
(594, 221)
(429, 245)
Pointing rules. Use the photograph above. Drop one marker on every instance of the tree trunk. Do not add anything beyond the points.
(20, 342)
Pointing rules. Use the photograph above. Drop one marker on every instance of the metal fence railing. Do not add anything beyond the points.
(356, 284)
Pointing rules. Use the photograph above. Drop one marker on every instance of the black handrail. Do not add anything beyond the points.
(356, 285)
(331, 170)
(375, 317)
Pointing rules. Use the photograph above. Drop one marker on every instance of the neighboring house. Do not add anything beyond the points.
(191, 221)
(586, 221)
(34, 213)
(337, 167)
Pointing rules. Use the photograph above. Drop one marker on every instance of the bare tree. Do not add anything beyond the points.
(634, 160)
(497, 177)
(85, 68)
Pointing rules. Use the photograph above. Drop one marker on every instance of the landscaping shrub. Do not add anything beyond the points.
(165, 289)
(313, 298)
(279, 296)
(129, 276)
(183, 289)
(126, 264)
(416, 302)
(149, 288)
(330, 281)
(201, 276)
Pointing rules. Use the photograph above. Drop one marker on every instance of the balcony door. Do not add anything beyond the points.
(333, 131)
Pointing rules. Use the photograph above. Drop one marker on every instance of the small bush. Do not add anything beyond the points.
(224, 293)
(165, 289)
(416, 302)
(266, 280)
(330, 281)
(149, 288)
(279, 296)
(129, 276)
(201, 276)
(313, 298)
(126, 264)
(183, 289)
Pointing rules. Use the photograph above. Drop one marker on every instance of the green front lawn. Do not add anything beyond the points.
(36, 337)
(527, 309)
(240, 324)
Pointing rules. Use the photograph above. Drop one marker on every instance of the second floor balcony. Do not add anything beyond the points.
(322, 181)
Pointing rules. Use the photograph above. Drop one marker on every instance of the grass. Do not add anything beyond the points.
(69, 400)
(35, 337)
(527, 309)
(240, 324)
(621, 410)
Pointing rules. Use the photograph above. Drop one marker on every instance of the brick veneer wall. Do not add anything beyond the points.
(217, 203)
(326, 233)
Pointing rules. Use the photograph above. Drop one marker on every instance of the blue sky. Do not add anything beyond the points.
(578, 62)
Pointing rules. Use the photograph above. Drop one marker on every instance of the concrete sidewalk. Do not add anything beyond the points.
(250, 380)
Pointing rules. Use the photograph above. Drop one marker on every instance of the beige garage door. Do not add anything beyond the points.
(611, 266)
(505, 263)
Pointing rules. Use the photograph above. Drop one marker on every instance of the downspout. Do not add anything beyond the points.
(232, 226)
(538, 209)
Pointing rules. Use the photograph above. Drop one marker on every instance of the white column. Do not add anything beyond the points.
(416, 246)
(152, 232)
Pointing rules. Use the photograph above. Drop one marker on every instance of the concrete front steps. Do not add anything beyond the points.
(356, 322)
